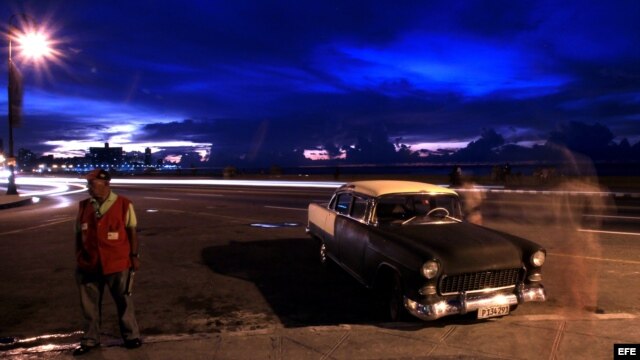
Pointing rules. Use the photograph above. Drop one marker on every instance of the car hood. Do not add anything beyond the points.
(460, 247)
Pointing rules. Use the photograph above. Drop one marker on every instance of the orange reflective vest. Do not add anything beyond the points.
(105, 243)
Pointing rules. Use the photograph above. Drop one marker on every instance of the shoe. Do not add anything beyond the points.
(83, 349)
(132, 344)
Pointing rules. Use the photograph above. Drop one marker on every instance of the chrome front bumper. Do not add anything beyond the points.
(466, 303)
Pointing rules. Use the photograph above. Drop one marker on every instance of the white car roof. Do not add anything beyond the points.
(377, 188)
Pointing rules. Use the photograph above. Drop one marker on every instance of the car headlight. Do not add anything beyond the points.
(537, 259)
(430, 269)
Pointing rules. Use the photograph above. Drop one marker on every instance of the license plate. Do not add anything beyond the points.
(493, 311)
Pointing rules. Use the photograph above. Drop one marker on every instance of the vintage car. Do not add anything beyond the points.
(408, 240)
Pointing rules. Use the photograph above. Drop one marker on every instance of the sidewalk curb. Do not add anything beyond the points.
(12, 204)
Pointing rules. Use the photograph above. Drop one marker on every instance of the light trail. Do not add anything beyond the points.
(59, 187)
(285, 208)
(161, 198)
(81, 182)
(210, 182)
(596, 258)
(201, 194)
(619, 217)
(267, 183)
(609, 232)
(494, 189)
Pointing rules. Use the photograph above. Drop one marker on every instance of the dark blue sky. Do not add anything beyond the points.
(238, 78)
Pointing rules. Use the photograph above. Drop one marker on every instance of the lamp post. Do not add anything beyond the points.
(34, 45)
(11, 185)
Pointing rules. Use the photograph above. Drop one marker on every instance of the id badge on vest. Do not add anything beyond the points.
(113, 236)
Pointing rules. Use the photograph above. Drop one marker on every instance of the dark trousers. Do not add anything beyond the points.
(91, 288)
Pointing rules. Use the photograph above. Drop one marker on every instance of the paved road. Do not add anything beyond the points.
(231, 260)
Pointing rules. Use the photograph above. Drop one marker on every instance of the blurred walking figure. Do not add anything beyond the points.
(579, 207)
(472, 199)
(455, 176)
(107, 254)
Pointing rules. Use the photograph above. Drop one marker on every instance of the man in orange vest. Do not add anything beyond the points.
(107, 254)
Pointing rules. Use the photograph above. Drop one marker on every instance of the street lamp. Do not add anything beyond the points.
(33, 45)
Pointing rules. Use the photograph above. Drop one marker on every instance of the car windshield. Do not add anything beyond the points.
(418, 208)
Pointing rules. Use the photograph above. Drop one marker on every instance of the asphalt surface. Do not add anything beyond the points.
(261, 297)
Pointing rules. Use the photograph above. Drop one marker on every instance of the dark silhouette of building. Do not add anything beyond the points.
(111, 156)
(29, 160)
(147, 156)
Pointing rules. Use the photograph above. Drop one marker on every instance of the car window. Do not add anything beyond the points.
(390, 208)
(343, 204)
(451, 203)
(332, 203)
(359, 208)
(406, 206)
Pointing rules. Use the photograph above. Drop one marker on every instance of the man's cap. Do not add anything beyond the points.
(98, 174)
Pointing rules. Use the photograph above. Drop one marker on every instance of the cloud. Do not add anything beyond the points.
(434, 62)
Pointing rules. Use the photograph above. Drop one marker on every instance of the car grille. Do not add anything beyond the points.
(478, 281)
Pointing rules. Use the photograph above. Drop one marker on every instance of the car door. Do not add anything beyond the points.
(352, 235)
(340, 207)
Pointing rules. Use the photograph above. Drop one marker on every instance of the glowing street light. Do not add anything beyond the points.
(34, 45)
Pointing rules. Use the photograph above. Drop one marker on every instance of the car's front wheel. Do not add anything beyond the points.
(392, 298)
(397, 311)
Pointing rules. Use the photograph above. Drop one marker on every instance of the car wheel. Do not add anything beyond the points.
(395, 300)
